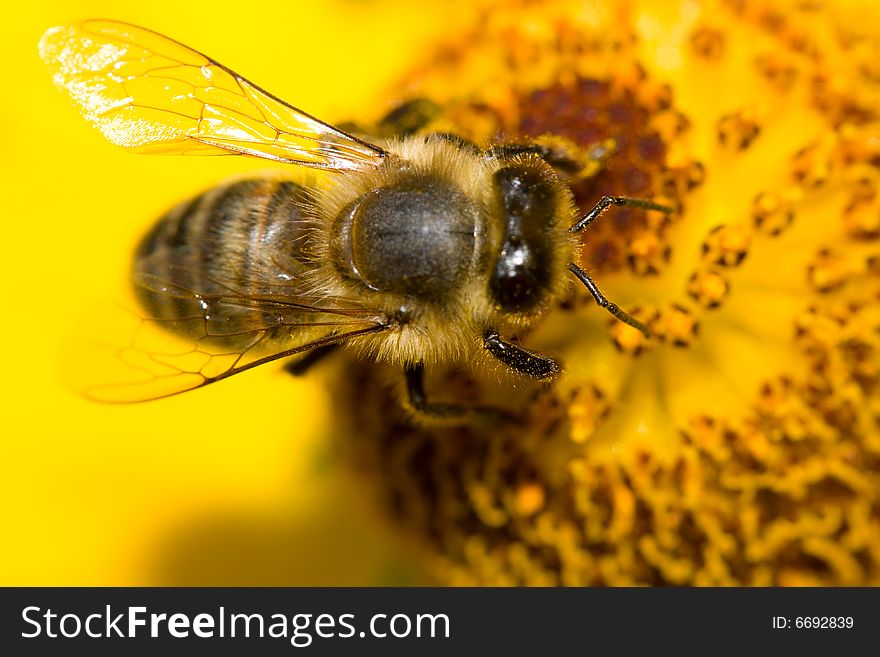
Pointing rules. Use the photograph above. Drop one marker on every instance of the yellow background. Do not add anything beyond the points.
(232, 484)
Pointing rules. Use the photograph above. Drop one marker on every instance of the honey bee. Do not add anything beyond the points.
(416, 250)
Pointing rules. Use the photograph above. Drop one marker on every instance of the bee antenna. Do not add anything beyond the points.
(603, 302)
(624, 201)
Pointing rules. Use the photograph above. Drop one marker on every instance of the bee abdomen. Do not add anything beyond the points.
(240, 238)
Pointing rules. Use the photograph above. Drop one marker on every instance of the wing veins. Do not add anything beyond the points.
(312, 142)
(206, 380)
(104, 37)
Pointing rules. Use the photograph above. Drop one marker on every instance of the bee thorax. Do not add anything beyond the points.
(414, 238)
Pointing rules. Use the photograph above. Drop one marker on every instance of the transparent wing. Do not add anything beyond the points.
(169, 339)
(147, 92)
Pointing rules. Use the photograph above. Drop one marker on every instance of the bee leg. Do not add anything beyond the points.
(567, 158)
(519, 359)
(418, 401)
(404, 120)
(301, 366)
(415, 389)
(612, 308)
(408, 118)
(461, 142)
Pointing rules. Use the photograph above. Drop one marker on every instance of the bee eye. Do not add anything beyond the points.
(514, 286)
(521, 272)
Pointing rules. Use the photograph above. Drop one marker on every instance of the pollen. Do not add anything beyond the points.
(528, 499)
(773, 212)
(708, 287)
(647, 253)
(708, 41)
(739, 444)
(739, 129)
(862, 220)
(727, 245)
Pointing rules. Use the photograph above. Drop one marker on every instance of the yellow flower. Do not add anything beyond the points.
(740, 444)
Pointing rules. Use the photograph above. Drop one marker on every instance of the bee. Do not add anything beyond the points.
(416, 251)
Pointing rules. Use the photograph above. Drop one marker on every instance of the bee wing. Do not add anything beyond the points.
(183, 339)
(147, 92)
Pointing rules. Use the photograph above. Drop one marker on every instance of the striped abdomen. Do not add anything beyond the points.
(241, 240)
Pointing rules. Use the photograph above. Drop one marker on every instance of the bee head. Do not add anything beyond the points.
(534, 207)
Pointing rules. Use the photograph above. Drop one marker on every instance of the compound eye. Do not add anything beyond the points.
(514, 285)
(523, 270)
